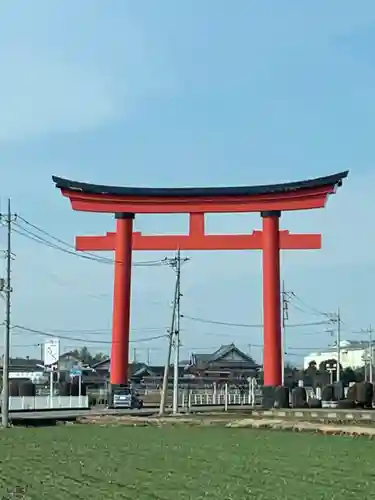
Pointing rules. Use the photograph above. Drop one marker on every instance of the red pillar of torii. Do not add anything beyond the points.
(269, 200)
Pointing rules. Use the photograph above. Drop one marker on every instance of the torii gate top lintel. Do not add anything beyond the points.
(301, 195)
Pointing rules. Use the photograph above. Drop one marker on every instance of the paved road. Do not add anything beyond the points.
(145, 412)
(71, 414)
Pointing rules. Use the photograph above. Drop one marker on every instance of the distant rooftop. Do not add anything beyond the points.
(348, 344)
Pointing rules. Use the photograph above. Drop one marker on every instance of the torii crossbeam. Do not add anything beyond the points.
(270, 201)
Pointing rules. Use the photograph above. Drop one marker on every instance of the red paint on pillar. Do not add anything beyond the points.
(121, 299)
(272, 358)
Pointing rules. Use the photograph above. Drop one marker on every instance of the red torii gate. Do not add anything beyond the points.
(269, 200)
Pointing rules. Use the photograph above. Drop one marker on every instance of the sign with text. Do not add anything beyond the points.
(51, 352)
(76, 372)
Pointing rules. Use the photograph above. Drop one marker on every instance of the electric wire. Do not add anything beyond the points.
(27, 233)
(43, 241)
(146, 339)
(101, 331)
(332, 317)
(85, 340)
(311, 310)
(246, 325)
(70, 250)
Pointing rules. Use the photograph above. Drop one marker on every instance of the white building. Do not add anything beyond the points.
(353, 354)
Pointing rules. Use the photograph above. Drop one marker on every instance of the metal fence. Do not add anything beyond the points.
(39, 403)
(206, 395)
(225, 396)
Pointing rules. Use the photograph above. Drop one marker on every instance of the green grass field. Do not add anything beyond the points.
(147, 463)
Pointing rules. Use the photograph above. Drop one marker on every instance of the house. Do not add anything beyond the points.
(25, 368)
(353, 354)
(90, 377)
(227, 363)
(103, 368)
(138, 372)
(24, 364)
(153, 375)
(32, 369)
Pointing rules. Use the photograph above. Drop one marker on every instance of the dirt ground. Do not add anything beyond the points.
(352, 429)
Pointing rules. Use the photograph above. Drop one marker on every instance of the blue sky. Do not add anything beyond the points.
(188, 93)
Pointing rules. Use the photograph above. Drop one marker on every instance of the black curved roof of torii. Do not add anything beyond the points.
(330, 180)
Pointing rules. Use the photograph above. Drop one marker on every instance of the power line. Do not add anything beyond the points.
(98, 331)
(239, 335)
(22, 346)
(73, 282)
(333, 318)
(87, 255)
(70, 250)
(74, 346)
(260, 346)
(246, 325)
(299, 308)
(85, 340)
(62, 242)
(60, 334)
(38, 239)
(311, 310)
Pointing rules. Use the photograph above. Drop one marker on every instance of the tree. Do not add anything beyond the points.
(289, 369)
(312, 373)
(88, 358)
(328, 370)
(99, 357)
(348, 376)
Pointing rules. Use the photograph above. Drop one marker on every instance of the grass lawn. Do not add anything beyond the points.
(147, 463)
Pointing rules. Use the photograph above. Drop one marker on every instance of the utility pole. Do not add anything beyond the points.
(336, 318)
(370, 332)
(168, 361)
(285, 317)
(6, 287)
(370, 357)
(174, 336)
(177, 335)
(338, 374)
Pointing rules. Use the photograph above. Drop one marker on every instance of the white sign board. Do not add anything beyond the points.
(51, 352)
